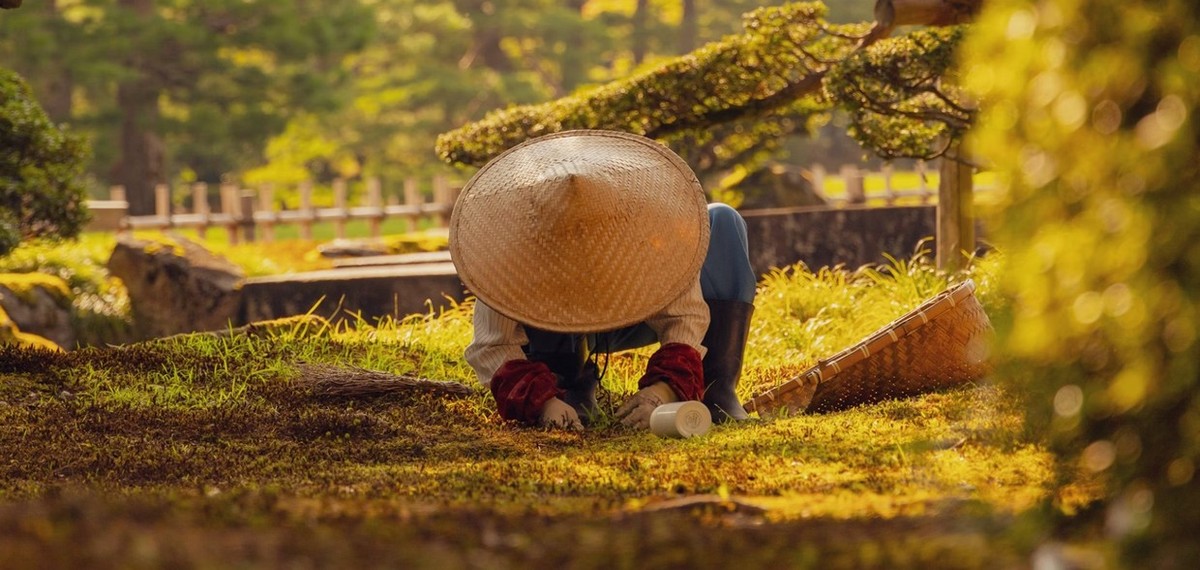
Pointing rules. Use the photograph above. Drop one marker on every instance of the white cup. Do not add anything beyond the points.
(680, 419)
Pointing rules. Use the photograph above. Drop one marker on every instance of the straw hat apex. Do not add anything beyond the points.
(581, 231)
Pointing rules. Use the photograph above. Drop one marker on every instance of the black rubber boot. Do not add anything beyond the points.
(577, 376)
(726, 343)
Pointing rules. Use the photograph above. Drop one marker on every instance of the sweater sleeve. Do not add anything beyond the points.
(684, 320)
(498, 339)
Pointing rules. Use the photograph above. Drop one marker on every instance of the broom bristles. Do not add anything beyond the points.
(327, 381)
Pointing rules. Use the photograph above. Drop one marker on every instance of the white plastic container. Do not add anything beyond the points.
(680, 419)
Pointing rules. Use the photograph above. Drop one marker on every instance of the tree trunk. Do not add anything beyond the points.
(487, 45)
(640, 39)
(485, 38)
(955, 212)
(687, 28)
(56, 94)
(575, 62)
(926, 12)
(892, 13)
(56, 83)
(140, 166)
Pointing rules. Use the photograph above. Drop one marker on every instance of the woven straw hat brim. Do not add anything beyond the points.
(581, 231)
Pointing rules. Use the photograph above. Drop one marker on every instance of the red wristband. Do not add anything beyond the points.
(522, 388)
(680, 366)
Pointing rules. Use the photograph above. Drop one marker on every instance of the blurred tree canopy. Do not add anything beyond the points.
(437, 65)
(258, 91)
(1090, 113)
(164, 88)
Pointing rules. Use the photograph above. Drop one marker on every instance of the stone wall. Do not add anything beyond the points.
(822, 237)
(370, 292)
(777, 238)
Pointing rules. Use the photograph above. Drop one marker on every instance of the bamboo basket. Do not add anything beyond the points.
(942, 343)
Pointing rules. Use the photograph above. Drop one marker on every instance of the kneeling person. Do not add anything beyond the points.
(587, 241)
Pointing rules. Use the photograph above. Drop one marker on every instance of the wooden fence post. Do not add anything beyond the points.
(114, 215)
(855, 191)
(375, 200)
(162, 203)
(229, 209)
(200, 207)
(339, 203)
(266, 204)
(412, 197)
(955, 215)
(889, 191)
(818, 180)
(307, 215)
(444, 196)
(246, 215)
(118, 193)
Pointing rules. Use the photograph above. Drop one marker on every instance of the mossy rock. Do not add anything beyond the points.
(434, 240)
(10, 335)
(155, 242)
(23, 285)
(38, 308)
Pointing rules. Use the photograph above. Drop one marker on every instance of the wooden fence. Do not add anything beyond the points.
(853, 180)
(249, 215)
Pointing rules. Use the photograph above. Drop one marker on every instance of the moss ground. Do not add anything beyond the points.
(215, 451)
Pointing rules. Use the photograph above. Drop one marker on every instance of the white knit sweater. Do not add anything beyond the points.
(499, 339)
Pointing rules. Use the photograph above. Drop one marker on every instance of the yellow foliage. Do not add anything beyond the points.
(1089, 115)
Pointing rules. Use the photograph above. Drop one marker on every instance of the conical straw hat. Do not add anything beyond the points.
(580, 231)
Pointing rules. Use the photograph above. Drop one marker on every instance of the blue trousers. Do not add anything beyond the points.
(726, 275)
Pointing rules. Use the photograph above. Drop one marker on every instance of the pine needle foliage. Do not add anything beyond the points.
(902, 96)
(41, 168)
(767, 71)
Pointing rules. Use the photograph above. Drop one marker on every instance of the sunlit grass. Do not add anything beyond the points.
(319, 231)
(801, 316)
(223, 427)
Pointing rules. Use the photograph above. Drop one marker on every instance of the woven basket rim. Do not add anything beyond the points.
(827, 369)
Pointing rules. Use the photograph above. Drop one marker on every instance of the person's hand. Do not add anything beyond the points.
(559, 414)
(636, 410)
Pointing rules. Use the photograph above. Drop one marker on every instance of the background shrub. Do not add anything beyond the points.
(41, 191)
